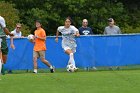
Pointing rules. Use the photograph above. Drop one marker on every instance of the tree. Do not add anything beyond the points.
(9, 13)
(53, 12)
(11, 16)
(133, 9)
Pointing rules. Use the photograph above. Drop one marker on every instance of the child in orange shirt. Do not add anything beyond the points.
(40, 47)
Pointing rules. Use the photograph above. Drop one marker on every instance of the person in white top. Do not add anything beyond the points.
(17, 34)
(69, 45)
(17, 31)
(4, 48)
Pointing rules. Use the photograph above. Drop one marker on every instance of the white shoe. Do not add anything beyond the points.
(94, 68)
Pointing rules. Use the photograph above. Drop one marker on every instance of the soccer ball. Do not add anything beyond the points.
(70, 68)
(31, 37)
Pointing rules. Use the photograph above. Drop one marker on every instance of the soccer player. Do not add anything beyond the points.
(4, 48)
(69, 45)
(40, 47)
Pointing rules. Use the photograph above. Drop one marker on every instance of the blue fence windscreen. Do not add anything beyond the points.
(116, 50)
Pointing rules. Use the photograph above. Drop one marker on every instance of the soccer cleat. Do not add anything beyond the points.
(52, 70)
(35, 72)
(10, 72)
(94, 68)
(3, 72)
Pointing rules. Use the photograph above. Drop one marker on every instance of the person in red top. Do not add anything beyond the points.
(40, 47)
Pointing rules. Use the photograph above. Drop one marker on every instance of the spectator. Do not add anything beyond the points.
(112, 29)
(17, 34)
(17, 31)
(85, 30)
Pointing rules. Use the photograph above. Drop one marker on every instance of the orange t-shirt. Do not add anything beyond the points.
(40, 44)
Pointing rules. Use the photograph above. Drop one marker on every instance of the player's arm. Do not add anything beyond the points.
(57, 34)
(3, 25)
(11, 37)
(7, 32)
(32, 40)
(77, 34)
(12, 42)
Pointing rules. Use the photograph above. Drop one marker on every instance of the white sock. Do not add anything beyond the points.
(0, 66)
(51, 67)
(71, 60)
(35, 70)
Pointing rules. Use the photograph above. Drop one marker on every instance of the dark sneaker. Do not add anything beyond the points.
(35, 72)
(52, 70)
(10, 72)
(3, 71)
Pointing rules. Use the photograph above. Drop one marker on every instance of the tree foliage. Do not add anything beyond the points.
(53, 12)
(11, 16)
(9, 13)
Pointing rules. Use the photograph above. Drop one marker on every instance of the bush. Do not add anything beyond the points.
(131, 29)
(11, 16)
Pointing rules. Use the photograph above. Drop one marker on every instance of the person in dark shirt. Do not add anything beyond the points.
(85, 30)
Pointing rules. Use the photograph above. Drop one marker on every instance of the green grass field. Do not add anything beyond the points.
(124, 81)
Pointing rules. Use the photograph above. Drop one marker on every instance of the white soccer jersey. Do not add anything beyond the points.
(68, 40)
(2, 22)
(67, 33)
